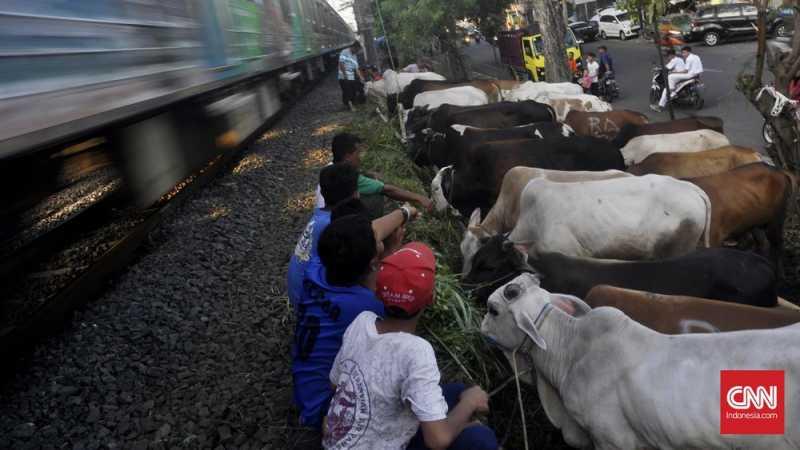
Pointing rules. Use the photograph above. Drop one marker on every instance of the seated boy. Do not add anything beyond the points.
(334, 294)
(347, 148)
(338, 183)
(387, 381)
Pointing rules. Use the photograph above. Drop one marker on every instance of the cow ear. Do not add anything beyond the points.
(571, 305)
(475, 218)
(526, 323)
(522, 248)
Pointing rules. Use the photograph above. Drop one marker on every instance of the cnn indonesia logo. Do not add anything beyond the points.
(751, 402)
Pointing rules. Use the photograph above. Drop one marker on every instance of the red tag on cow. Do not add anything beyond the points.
(751, 402)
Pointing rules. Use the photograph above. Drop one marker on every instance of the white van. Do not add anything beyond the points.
(615, 23)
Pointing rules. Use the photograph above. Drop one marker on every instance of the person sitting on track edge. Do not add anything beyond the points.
(333, 294)
(387, 380)
(337, 183)
(348, 148)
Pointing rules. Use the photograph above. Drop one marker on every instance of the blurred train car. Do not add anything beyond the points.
(169, 82)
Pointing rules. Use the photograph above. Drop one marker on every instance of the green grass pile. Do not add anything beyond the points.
(452, 324)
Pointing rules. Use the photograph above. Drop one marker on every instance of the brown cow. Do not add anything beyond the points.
(672, 314)
(696, 164)
(629, 132)
(749, 198)
(604, 125)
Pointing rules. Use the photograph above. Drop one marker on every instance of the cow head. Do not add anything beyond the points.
(516, 309)
(495, 262)
(511, 312)
(440, 188)
(474, 238)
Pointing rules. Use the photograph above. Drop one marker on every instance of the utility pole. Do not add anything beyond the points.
(365, 21)
(564, 11)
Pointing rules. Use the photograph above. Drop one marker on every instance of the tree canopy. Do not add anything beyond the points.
(415, 26)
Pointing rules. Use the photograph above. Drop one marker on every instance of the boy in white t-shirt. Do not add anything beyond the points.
(388, 394)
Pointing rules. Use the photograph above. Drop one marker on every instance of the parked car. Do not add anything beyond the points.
(585, 31)
(616, 23)
(780, 22)
(713, 24)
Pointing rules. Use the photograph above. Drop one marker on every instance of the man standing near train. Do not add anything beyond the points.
(349, 76)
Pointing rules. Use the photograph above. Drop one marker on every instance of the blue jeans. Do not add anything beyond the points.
(475, 437)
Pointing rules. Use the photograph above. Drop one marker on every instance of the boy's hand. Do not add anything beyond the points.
(476, 397)
(426, 204)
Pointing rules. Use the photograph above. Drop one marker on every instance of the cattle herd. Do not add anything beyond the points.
(627, 262)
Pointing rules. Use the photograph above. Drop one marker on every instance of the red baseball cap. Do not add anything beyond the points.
(406, 278)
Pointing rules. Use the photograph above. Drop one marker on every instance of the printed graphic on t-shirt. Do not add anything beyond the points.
(304, 245)
(349, 412)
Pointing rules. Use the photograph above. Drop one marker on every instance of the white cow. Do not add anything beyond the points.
(533, 90)
(628, 218)
(459, 96)
(394, 82)
(563, 104)
(505, 212)
(609, 382)
(640, 147)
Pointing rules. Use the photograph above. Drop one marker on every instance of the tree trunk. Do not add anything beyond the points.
(553, 29)
(365, 20)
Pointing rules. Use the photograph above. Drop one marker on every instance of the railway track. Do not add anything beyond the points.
(59, 269)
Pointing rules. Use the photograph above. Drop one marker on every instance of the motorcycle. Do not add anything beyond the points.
(687, 92)
(607, 87)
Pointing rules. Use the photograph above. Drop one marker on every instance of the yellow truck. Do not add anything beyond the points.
(523, 52)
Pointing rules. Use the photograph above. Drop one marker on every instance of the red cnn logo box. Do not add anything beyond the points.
(751, 402)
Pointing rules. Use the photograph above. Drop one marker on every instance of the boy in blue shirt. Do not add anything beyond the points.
(334, 294)
(338, 183)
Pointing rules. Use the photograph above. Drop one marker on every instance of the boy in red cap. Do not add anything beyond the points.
(387, 381)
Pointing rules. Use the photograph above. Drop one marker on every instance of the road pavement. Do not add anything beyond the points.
(633, 60)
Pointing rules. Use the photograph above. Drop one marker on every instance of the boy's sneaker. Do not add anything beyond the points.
(656, 108)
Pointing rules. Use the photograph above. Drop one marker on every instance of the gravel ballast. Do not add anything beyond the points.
(190, 347)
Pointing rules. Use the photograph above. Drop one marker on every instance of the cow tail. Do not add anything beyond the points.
(552, 112)
(499, 91)
(707, 230)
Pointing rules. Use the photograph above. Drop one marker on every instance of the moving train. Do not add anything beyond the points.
(169, 82)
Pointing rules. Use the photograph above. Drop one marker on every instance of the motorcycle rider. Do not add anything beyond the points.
(606, 63)
(676, 68)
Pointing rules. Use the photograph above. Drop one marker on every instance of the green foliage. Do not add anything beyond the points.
(412, 25)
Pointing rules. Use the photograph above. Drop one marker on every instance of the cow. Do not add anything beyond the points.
(428, 127)
(563, 104)
(752, 197)
(393, 83)
(475, 182)
(604, 125)
(460, 96)
(504, 214)
(723, 274)
(631, 131)
(641, 147)
(697, 164)
(492, 88)
(677, 314)
(608, 382)
(630, 218)
(460, 140)
(533, 90)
